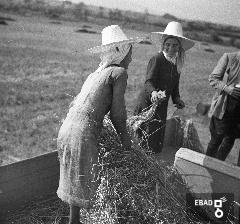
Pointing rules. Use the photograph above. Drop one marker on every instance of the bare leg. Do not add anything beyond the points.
(74, 215)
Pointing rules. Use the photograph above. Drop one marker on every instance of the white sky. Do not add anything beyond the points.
(217, 11)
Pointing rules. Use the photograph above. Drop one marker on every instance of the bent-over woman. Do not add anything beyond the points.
(102, 92)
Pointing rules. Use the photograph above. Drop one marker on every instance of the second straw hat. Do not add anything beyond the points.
(175, 29)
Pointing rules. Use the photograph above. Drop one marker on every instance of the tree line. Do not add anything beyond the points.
(198, 30)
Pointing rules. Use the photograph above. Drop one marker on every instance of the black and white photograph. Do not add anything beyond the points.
(119, 112)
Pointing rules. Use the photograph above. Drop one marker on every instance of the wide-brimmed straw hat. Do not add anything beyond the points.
(175, 29)
(113, 36)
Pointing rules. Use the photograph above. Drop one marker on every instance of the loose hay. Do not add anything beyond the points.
(134, 186)
(186, 135)
(50, 211)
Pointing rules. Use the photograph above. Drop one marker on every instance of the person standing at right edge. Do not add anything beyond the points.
(225, 107)
(163, 73)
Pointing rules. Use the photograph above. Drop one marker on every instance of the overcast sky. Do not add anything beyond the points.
(217, 11)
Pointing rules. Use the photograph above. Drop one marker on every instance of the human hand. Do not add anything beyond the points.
(228, 89)
(236, 93)
(180, 104)
(161, 94)
(233, 91)
(156, 96)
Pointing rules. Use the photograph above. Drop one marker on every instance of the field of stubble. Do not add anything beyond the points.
(43, 64)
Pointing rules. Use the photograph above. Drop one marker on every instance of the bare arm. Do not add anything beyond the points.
(118, 114)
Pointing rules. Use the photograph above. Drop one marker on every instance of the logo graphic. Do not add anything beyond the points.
(218, 206)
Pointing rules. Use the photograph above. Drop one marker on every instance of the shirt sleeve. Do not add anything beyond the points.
(216, 77)
(118, 114)
(152, 71)
(175, 93)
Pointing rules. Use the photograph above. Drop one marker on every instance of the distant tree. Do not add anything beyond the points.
(192, 35)
(115, 14)
(126, 17)
(232, 41)
(54, 12)
(80, 11)
(146, 15)
(39, 5)
(170, 17)
(66, 3)
(237, 43)
(215, 37)
(27, 2)
(100, 13)
(196, 25)
(16, 6)
(85, 15)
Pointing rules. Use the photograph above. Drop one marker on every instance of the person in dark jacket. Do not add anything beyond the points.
(225, 106)
(162, 78)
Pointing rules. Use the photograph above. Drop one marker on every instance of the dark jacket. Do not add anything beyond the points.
(161, 75)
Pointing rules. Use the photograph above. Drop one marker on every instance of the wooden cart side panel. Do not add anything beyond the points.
(27, 180)
(25, 167)
(206, 175)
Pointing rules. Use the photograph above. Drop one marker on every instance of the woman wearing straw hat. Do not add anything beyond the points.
(162, 78)
(103, 91)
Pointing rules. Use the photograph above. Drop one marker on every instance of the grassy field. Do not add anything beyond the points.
(43, 66)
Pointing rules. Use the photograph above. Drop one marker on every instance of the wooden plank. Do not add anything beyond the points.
(34, 190)
(19, 197)
(205, 175)
(201, 160)
(26, 180)
(24, 167)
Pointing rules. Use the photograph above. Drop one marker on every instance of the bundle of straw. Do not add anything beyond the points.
(186, 135)
(135, 187)
(190, 137)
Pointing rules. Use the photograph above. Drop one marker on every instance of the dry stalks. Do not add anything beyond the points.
(134, 186)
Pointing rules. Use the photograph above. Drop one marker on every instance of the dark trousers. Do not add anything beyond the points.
(220, 146)
(223, 134)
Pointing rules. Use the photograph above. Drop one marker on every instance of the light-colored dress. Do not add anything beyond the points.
(77, 139)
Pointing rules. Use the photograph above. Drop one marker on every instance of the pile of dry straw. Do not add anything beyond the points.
(134, 187)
